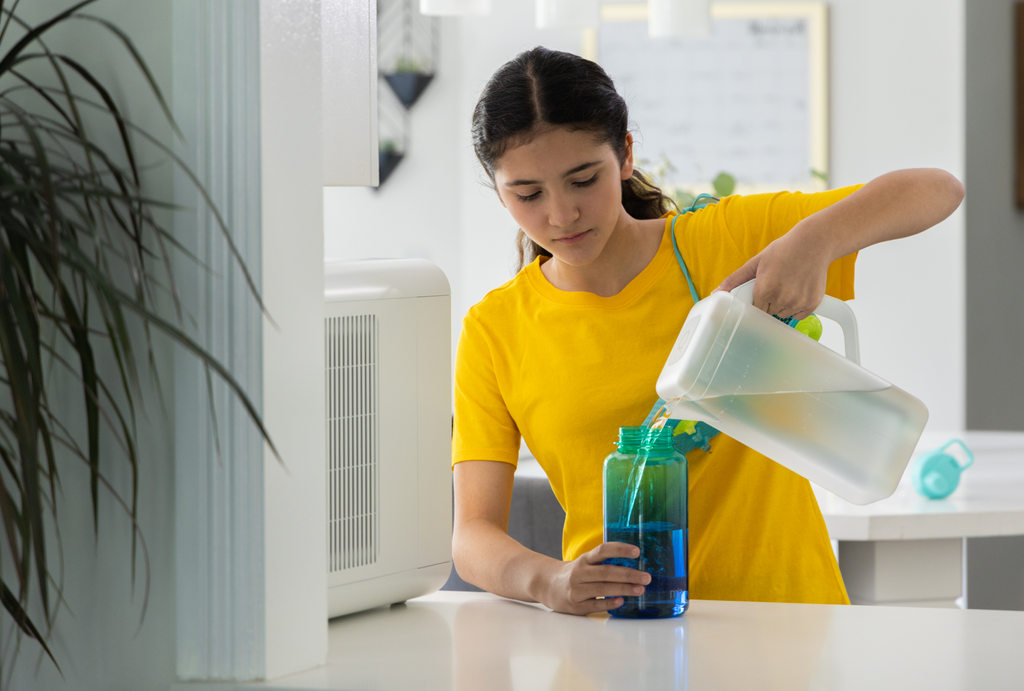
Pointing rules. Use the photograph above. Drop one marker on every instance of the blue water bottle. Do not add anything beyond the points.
(645, 504)
(937, 473)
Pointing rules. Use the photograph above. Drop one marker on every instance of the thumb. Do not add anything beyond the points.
(745, 273)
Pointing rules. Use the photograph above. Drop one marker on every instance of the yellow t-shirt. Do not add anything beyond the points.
(567, 369)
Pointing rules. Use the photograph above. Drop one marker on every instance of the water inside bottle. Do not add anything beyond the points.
(663, 554)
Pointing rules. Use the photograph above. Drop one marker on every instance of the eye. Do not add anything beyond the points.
(529, 197)
(586, 183)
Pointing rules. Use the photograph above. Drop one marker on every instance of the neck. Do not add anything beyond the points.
(630, 248)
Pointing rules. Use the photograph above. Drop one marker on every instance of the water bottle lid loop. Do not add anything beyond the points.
(967, 453)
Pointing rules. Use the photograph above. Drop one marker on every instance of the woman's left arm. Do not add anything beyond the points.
(791, 272)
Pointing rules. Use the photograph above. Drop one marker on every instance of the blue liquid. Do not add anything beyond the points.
(664, 553)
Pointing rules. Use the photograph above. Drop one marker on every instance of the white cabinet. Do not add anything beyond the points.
(349, 37)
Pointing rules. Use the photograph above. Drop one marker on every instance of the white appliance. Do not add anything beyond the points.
(389, 424)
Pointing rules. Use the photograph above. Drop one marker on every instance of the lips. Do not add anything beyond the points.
(572, 239)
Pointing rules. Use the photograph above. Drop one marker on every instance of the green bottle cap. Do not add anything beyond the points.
(630, 439)
(658, 441)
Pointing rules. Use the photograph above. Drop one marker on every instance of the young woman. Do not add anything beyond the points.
(570, 349)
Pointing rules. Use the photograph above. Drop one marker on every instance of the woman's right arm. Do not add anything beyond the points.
(487, 557)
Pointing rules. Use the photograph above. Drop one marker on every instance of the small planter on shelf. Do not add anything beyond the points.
(408, 86)
(408, 81)
(389, 158)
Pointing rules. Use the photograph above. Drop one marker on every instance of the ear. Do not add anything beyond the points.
(627, 163)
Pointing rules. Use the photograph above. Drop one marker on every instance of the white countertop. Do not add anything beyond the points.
(479, 642)
(988, 502)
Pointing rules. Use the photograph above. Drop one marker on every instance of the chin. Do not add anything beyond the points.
(576, 258)
(579, 254)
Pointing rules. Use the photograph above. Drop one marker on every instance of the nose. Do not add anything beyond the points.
(563, 211)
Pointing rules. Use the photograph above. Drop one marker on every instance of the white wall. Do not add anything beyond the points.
(295, 503)
(415, 213)
(897, 102)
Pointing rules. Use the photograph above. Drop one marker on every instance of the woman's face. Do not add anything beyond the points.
(564, 189)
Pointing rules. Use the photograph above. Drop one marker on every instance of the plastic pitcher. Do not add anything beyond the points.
(798, 402)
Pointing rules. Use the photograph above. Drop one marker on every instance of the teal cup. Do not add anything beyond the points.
(937, 473)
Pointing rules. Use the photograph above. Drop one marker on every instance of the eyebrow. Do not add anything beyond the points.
(577, 169)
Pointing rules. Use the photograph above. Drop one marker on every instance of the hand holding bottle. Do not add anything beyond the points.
(587, 585)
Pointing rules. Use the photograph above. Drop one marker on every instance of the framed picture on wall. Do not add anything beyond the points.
(750, 100)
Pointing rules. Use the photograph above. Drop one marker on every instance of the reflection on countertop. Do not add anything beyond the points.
(476, 641)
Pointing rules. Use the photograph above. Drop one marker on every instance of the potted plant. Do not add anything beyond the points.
(408, 80)
(83, 255)
(388, 159)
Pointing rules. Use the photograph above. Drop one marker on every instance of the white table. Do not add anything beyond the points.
(478, 642)
(909, 550)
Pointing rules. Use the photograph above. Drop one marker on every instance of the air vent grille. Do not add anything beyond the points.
(353, 448)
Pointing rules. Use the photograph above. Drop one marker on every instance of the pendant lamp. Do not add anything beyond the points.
(454, 8)
(568, 14)
(679, 18)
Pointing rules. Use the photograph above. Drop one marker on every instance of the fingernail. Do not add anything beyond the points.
(638, 589)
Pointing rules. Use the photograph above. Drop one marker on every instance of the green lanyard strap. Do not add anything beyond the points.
(687, 435)
(706, 199)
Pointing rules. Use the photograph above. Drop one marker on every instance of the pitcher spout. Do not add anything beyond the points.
(685, 409)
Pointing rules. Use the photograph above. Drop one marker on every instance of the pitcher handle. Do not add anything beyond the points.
(830, 308)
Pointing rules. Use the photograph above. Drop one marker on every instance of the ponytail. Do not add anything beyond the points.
(642, 199)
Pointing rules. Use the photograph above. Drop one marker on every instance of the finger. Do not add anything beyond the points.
(608, 573)
(592, 591)
(762, 300)
(611, 550)
(796, 306)
(592, 606)
(747, 272)
(797, 314)
(606, 604)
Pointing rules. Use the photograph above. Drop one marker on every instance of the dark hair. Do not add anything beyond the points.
(547, 87)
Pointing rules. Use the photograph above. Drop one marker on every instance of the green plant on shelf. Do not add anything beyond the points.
(662, 171)
(388, 146)
(405, 64)
(724, 185)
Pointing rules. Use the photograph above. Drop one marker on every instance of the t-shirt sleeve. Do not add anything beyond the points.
(753, 222)
(484, 429)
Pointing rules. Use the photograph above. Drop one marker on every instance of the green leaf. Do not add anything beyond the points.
(724, 185)
(21, 618)
(141, 64)
(83, 347)
(115, 296)
(35, 33)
